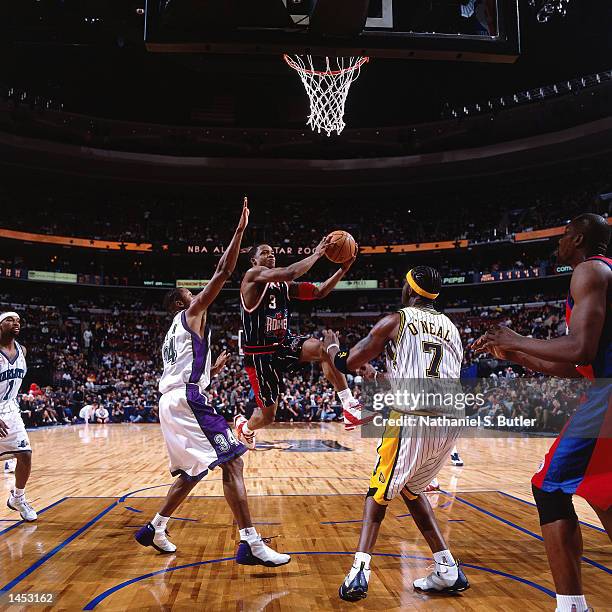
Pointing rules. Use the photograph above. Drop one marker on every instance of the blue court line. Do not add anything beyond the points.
(220, 496)
(455, 521)
(524, 501)
(51, 553)
(59, 501)
(131, 493)
(132, 509)
(526, 531)
(9, 520)
(446, 505)
(94, 602)
(124, 497)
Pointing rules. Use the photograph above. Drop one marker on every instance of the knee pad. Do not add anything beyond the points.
(553, 506)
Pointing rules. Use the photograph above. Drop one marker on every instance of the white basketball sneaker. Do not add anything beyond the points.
(248, 440)
(256, 552)
(149, 536)
(355, 415)
(456, 460)
(434, 485)
(19, 504)
(443, 579)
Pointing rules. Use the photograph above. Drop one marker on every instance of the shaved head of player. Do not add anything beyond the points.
(585, 236)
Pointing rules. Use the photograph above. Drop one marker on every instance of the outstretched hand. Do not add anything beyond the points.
(244, 215)
(499, 342)
(330, 337)
(322, 246)
(482, 346)
(220, 363)
(503, 338)
(349, 262)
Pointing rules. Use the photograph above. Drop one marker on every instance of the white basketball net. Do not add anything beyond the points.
(327, 88)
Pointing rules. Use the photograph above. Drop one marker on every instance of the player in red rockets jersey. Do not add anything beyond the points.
(270, 349)
(580, 460)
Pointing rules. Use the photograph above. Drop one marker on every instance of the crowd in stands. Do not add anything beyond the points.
(209, 220)
(102, 365)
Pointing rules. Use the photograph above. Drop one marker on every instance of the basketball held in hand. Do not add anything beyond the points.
(342, 247)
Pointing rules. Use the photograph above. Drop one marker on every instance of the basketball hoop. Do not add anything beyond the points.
(327, 88)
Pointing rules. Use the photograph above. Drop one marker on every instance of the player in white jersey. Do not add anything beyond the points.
(14, 441)
(198, 438)
(422, 346)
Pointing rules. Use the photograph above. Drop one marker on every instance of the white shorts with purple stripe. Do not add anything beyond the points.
(198, 439)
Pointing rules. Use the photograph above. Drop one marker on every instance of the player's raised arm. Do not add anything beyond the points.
(366, 349)
(262, 274)
(310, 291)
(225, 268)
(589, 288)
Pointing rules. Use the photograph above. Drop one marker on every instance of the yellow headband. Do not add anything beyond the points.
(415, 287)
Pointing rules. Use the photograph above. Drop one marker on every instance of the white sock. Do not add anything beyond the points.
(346, 398)
(160, 522)
(362, 557)
(454, 451)
(571, 603)
(246, 431)
(445, 563)
(249, 534)
(18, 492)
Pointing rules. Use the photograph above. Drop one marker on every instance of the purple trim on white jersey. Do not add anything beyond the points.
(213, 426)
(199, 347)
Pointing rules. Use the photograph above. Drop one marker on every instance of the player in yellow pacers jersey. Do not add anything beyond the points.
(422, 345)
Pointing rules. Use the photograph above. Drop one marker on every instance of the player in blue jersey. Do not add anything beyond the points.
(580, 460)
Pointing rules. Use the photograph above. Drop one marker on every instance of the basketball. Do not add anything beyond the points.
(342, 247)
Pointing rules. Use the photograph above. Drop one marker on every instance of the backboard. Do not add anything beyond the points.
(462, 30)
(380, 13)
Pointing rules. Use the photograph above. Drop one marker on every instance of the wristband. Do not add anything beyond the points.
(306, 291)
(331, 346)
(340, 361)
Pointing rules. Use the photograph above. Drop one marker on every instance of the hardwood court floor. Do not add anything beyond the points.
(94, 485)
